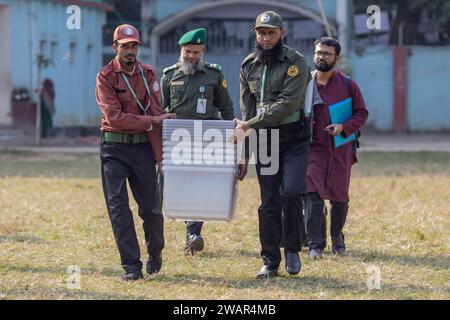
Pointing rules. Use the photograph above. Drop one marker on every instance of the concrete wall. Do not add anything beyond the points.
(428, 89)
(5, 65)
(372, 70)
(75, 55)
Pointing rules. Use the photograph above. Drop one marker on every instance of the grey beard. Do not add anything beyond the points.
(188, 67)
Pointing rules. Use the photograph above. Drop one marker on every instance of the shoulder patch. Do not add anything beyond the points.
(156, 86)
(292, 71)
(172, 67)
(216, 66)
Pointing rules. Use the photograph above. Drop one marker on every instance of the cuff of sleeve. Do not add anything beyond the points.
(346, 131)
(255, 123)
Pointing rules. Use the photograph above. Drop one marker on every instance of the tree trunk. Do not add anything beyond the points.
(408, 20)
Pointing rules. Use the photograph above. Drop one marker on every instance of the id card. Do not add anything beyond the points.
(201, 105)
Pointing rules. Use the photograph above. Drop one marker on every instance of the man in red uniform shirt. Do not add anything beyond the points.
(328, 174)
(128, 92)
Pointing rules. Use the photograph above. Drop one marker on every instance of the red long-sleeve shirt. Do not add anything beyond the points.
(120, 110)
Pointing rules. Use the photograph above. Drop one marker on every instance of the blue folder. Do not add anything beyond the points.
(339, 113)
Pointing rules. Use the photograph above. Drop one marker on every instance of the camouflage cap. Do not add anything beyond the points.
(269, 19)
(197, 36)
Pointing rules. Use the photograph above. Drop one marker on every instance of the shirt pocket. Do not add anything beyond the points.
(209, 91)
(254, 85)
(177, 93)
(123, 95)
(276, 82)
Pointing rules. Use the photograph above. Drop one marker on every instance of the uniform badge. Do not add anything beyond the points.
(156, 86)
(292, 71)
(265, 18)
(128, 31)
(224, 83)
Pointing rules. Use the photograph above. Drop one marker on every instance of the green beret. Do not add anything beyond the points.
(197, 36)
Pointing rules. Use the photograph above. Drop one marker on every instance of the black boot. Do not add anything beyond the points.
(339, 212)
(292, 262)
(154, 264)
(132, 276)
(315, 221)
(194, 243)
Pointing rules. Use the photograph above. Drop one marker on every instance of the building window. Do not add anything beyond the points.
(72, 50)
(89, 54)
(53, 51)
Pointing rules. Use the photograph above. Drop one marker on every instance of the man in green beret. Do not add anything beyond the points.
(195, 89)
(273, 82)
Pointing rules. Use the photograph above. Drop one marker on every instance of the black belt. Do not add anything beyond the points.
(125, 137)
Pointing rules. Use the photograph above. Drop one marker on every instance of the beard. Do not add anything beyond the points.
(322, 66)
(267, 55)
(187, 66)
(129, 60)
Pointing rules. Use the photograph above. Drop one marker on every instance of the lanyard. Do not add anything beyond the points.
(263, 83)
(134, 93)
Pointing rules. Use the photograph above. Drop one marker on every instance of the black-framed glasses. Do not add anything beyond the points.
(324, 54)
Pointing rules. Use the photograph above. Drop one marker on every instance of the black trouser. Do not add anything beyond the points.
(135, 162)
(300, 220)
(315, 219)
(194, 227)
(280, 193)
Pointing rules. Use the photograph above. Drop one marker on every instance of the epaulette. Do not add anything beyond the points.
(176, 65)
(293, 55)
(250, 57)
(215, 66)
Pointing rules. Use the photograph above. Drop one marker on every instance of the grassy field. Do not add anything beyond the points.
(52, 216)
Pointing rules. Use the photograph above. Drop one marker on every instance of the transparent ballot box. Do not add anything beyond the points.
(199, 164)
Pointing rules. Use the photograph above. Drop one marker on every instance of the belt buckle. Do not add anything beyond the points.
(130, 138)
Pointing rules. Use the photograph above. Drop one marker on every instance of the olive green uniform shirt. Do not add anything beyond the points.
(284, 91)
(180, 92)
